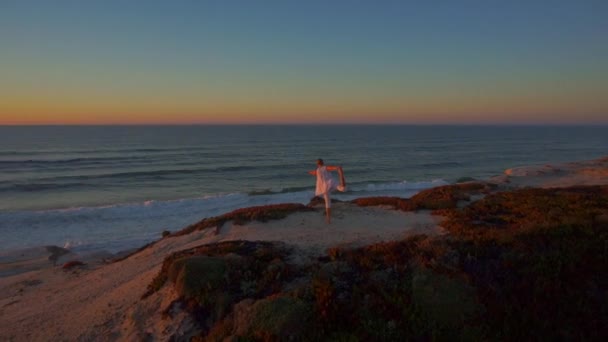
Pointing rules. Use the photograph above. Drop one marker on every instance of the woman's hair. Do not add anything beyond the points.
(319, 161)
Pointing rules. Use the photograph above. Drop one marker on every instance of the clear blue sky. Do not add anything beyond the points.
(303, 61)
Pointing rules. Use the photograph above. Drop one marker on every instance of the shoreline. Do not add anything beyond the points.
(114, 228)
(567, 174)
(113, 290)
(541, 175)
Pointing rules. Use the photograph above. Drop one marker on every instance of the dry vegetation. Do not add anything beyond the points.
(528, 264)
(241, 216)
(442, 197)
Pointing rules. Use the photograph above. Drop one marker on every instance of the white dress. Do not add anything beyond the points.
(325, 182)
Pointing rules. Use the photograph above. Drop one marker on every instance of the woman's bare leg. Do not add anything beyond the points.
(327, 207)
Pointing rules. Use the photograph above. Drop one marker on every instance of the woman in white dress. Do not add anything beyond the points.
(326, 183)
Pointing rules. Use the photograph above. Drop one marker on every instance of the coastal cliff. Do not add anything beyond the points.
(519, 256)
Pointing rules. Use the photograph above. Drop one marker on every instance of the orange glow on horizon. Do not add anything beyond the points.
(309, 117)
(449, 109)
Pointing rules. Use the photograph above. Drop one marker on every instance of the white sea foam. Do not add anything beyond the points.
(71, 244)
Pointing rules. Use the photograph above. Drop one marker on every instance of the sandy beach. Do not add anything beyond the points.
(40, 300)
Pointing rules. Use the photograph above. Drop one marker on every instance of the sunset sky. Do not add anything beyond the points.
(172, 62)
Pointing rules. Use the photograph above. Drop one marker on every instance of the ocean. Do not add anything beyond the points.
(112, 188)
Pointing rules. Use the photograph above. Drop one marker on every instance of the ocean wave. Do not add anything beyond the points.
(130, 174)
(159, 173)
(264, 192)
(71, 244)
(154, 204)
(359, 187)
(302, 194)
(96, 151)
(441, 164)
(75, 158)
(116, 227)
(404, 185)
(32, 187)
(51, 162)
(261, 192)
(235, 168)
(47, 161)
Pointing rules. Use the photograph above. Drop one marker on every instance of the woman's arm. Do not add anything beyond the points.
(313, 172)
(333, 167)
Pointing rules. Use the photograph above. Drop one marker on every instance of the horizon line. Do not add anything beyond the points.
(305, 124)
